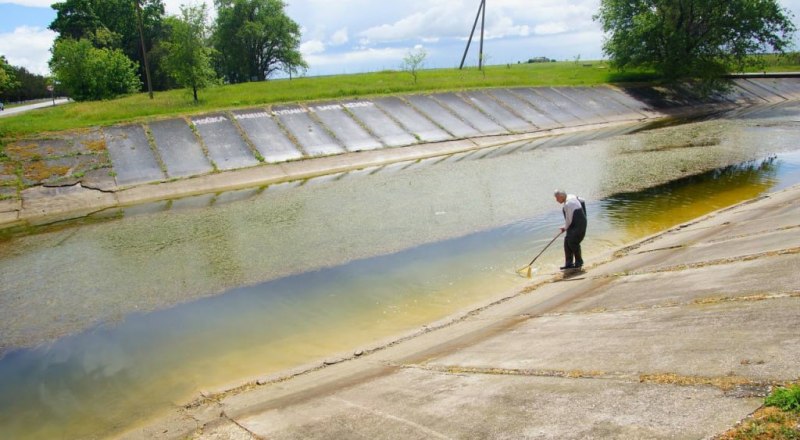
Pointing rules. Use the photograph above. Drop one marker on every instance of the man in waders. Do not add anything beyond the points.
(574, 210)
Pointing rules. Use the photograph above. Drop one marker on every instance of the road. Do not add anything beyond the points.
(29, 107)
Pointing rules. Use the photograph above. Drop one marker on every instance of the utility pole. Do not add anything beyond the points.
(481, 13)
(144, 51)
(483, 22)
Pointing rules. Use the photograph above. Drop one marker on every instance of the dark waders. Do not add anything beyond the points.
(574, 237)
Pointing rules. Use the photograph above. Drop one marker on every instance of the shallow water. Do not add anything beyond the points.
(137, 310)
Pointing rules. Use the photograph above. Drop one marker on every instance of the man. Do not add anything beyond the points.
(574, 210)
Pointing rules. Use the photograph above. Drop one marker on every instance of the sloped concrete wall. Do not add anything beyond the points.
(117, 159)
(179, 148)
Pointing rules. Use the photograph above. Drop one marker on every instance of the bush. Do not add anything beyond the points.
(787, 399)
(88, 73)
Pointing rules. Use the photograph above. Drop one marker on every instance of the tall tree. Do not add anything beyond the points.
(90, 73)
(255, 38)
(78, 19)
(188, 58)
(692, 38)
(75, 19)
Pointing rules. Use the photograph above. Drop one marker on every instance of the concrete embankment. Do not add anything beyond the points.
(72, 174)
(679, 335)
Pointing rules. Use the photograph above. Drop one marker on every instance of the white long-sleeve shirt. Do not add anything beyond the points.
(571, 204)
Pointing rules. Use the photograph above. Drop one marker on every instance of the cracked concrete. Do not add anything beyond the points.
(639, 346)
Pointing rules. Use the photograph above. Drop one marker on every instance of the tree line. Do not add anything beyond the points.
(98, 53)
(19, 84)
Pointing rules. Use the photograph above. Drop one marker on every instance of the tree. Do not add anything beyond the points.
(75, 19)
(90, 73)
(414, 61)
(254, 39)
(116, 21)
(7, 77)
(188, 58)
(26, 86)
(682, 39)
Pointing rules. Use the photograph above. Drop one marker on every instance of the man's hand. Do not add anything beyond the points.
(563, 229)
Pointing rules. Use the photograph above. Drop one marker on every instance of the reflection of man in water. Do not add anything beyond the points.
(575, 224)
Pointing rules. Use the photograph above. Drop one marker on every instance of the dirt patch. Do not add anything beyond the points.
(725, 383)
(38, 171)
(95, 145)
(766, 423)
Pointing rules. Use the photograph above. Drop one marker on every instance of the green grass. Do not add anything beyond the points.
(178, 102)
(787, 399)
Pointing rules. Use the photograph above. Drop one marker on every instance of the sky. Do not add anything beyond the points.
(354, 36)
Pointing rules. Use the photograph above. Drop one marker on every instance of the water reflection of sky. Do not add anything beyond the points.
(447, 236)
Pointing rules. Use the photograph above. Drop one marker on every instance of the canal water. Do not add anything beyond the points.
(109, 321)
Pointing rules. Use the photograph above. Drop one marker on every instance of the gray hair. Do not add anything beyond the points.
(559, 192)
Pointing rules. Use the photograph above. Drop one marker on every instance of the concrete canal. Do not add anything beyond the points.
(108, 321)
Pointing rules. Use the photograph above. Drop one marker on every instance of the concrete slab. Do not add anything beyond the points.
(792, 86)
(414, 122)
(389, 132)
(469, 114)
(443, 117)
(101, 178)
(47, 171)
(504, 116)
(523, 108)
(8, 174)
(554, 110)
(757, 90)
(730, 249)
(741, 95)
(45, 203)
(89, 142)
(179, 148)
(225, 145)
(734, 280)
(338, 121)
(611, 100)
(419, 404)
(9, 217)
(8, 198)
(774, 86)
(131, 155)
(36, 149)
(785, 217)
(311, 137)
(620, 96)
(267, 136)
(651, 341)
(580, 103)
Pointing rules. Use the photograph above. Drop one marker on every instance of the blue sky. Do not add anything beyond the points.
(351, 36)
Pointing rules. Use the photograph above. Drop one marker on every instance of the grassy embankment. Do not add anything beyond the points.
(178, 102)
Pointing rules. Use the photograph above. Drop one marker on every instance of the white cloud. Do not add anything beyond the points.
(355, 57)
(312, 47)
(339, 37)
(31, 3)
(551, 28)
(28, 47)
